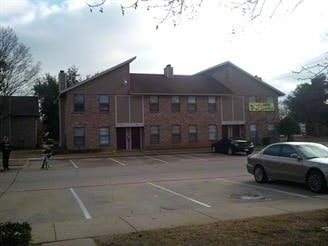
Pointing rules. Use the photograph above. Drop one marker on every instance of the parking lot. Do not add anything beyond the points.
(78, 198)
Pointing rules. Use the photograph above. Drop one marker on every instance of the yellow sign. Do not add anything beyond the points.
(257, 106)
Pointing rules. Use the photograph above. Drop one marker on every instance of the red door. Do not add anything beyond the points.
(135, 138)
(121, 138)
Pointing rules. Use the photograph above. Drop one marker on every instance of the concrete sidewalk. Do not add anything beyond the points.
(83, 232)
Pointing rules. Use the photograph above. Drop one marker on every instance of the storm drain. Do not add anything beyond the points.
(250, 197)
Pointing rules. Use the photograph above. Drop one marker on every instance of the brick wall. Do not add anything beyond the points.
(165, 119)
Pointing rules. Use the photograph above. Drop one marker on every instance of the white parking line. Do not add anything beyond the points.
(118, 162)
(201, 159)
(74, 164)
(263, 188)
(81, 205)
(180, 195)
(156, 159)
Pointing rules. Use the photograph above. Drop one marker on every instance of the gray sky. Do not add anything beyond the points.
(61, 33)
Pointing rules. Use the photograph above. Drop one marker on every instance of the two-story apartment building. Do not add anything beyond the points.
(119, 110)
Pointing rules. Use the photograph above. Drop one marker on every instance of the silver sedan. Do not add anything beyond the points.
(300, 162)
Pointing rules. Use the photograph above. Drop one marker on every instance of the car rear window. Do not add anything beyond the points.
(273, 150)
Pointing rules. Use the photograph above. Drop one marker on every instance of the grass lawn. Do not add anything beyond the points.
(306, 228)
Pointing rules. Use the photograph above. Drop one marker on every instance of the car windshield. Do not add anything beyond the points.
(313, 151)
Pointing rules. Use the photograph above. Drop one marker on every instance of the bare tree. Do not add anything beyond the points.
(17, 70)
(176, 10)
(314, 69)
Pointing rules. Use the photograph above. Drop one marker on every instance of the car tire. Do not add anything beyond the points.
(260, 175)
(213, 149)
(316, 181)
(229, 151)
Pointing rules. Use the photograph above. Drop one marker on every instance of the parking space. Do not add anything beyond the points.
(211, 185)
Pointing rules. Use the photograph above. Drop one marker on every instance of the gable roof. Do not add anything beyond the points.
(21, 105)
(99, 74)
(228, 63)
(158, 84)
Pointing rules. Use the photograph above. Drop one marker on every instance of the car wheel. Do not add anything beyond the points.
(316, 181)
(229, 151)
(213, 149)
(260, 175)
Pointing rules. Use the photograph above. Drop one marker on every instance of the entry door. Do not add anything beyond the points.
(121, 138)
(135, 138)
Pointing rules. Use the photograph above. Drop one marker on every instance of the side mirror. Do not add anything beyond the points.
(296, 156)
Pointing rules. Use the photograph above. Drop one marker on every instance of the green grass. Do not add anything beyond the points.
(307, 228)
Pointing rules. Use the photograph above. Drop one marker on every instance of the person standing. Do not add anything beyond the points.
(5, 149)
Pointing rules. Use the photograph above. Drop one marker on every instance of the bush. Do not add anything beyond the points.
(15, 234)
(266, 141)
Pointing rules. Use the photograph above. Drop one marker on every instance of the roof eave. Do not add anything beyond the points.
(98, 75)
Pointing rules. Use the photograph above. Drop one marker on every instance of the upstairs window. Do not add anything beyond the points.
(176, 134)
(192, 134)
(154, 134)
(104, 103)
(79, 103)
(269, 99)
(153, 104)
(79, 136)
(175, 104)
(252, 99)
(192, 106)
(211, 104)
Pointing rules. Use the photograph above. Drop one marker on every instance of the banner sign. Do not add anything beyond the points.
(261, 107)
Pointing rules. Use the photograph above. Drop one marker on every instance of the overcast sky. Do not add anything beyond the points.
(62, 33)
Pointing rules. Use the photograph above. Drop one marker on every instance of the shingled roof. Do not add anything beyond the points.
(179, 85)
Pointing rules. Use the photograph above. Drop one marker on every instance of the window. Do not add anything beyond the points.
(252, 99)
(212, 132)
(153, 104)
(154, 134)
(192, 134)
(269, 99)
(270, 129)
(104, 136)
(104, 103)
(176, 134)
(287, 150)
(211, 104)
(79, 136)
(78, 103)
(192, 107)
(253, 131)
(175, 104)
(273, 150)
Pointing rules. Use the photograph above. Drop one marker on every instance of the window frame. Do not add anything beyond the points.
(101, 104)
(108, 136)
(153, 106)
(211, 133)
(79, 106)
(192, 136)
(191, 106)
(154, 138)
(211, 105)
(175, 106)
(79, 140)
(176, 136)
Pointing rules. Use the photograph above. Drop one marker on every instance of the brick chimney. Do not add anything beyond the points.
(168, 71)
(62, 80)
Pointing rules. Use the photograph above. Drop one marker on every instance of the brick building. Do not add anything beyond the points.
(120, 110)
(19, 117)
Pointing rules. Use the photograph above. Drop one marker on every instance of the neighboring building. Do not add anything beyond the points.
(19, 117)
(120, 110)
